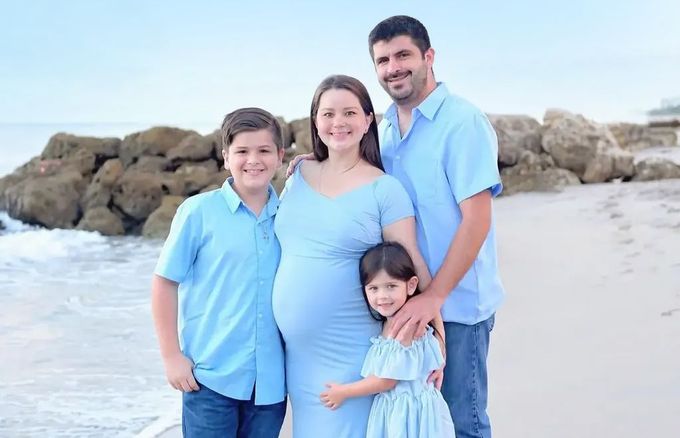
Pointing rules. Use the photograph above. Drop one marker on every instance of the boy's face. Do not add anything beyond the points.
(253, 158)
(403, 71)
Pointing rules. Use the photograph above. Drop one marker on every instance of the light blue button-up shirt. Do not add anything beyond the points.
(448, 154)
(224, 259)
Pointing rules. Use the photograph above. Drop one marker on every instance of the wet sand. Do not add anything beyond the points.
(588, 341)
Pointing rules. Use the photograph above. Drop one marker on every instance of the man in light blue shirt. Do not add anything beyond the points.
(217, 268)
(444, 151)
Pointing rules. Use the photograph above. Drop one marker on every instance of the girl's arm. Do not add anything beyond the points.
(336, 393)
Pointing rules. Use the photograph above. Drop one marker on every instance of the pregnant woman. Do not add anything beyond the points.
(333, 209)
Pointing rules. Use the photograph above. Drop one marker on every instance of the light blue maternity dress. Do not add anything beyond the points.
(414, 408)
(317, 299)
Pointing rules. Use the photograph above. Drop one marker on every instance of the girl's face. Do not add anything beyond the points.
(340, 120)
(387, 294)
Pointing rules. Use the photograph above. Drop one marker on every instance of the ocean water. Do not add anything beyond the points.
(79, 354)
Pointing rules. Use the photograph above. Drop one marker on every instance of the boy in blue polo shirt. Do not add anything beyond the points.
(217, 269)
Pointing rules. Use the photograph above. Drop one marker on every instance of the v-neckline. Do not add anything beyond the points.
(343, 194)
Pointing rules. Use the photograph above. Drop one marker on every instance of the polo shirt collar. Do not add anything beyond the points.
(427, 107)
(234, 200)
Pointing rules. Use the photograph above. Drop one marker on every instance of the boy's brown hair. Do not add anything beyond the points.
(249, 119)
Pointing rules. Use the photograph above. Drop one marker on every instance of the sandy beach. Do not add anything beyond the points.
(587, 343)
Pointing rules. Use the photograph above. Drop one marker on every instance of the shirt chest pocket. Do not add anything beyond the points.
(429, 181)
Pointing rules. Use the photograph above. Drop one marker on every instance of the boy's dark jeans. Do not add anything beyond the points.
(207, 414)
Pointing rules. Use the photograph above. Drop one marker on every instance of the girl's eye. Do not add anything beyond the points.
(350, 113)
(327, 114)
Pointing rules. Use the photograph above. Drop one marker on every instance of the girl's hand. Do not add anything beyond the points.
(437, 377)
(333, 397)
(179, 371)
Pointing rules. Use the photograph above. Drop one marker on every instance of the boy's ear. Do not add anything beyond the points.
(411, 285)
(226, 161)
(282, 152)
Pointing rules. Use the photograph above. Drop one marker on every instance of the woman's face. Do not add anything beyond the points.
(341, 121)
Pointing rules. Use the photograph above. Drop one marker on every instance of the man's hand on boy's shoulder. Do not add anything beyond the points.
(180, 374)
(294, 162)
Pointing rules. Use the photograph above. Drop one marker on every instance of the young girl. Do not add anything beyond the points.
(397, 370)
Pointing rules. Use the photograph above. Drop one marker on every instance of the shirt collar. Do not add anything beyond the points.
(428, 107)
(234, 200)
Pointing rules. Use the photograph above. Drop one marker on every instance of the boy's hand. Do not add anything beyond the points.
(333, 397)
(294, 162)
(179, 371)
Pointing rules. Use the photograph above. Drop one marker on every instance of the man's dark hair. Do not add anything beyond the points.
(247, 120)
(397, 26)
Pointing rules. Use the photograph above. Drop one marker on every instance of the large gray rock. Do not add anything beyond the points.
(286, 133)
(194, 147)
(536, 173)
(150, 164)
(654, 168)
(98, 193)
(302, 135)
(138, 194)
(633, 137)
(158, 224)
(586, 148)
(516, 134)
(155, 141)
(101, 219)
(197, 176)
(51, 201)
(63, 146)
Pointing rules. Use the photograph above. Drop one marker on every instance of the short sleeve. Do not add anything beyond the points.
(389, 359)
(472, 158)
(393, 200)
(181, 246)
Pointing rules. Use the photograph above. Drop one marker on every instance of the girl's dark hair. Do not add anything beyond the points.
(369, 148)
(388, 256)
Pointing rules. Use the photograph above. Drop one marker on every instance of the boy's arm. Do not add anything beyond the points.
(336, 393)
(178, 368)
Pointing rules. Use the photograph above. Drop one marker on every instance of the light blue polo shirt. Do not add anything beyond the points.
(224, 259)
(449, 154)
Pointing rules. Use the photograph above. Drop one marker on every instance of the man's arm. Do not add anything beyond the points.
(336, 393)
(462, 252)
(178, 368)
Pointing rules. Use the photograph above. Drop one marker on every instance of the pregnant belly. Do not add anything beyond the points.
(320, 297)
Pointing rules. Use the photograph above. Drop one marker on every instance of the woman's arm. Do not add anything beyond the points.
(337, 393)
(404, 232)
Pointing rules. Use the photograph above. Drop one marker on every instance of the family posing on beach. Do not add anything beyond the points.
(367, 293)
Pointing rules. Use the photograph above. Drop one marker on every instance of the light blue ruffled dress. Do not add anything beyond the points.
(413, 408)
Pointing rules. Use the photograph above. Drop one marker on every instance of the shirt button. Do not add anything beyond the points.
(260, 252)
(397, 157)
(259, 315)
(261, 282)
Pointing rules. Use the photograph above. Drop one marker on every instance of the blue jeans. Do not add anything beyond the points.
(465, 383)
(207, 414)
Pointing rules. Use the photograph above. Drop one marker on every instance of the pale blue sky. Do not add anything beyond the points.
(188, 62)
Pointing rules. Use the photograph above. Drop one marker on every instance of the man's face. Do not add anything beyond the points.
(403, 71)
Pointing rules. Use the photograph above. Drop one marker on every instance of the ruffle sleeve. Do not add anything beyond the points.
(388, 358)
